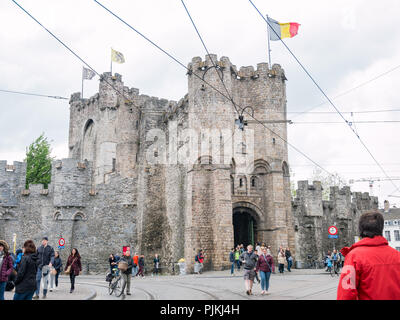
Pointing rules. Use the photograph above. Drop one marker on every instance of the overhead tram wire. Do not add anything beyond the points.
(70, 50)
(209, 55)
(340, 122)
(234, 105)
(33, 94)
(350, 90)
(211, 86)
(325, 95)
(349, 112)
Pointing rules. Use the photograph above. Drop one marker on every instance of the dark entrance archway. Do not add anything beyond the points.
(244, 226)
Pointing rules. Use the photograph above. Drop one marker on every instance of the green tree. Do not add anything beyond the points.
(38, 162)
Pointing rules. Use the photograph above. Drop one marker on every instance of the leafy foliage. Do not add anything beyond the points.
(38, 162)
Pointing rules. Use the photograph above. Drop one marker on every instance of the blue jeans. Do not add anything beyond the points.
(2, 289)
(24, 296)
(238, 264)
(289, 264)
(232, 267)
(45, 282)
(265, 280)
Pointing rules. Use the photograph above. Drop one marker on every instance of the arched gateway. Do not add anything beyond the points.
(245, 221)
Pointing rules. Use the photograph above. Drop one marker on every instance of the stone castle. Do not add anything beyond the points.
(173, 177)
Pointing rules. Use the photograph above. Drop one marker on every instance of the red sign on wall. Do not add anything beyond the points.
(332, 230)
(126, 249)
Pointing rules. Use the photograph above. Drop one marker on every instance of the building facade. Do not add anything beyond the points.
(391, 228)
(173, 177)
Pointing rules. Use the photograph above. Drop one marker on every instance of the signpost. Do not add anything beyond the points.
(61, 243)
(333, 232)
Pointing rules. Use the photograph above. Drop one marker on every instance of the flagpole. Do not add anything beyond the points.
(111, 62)
(82, 83)
(269, 45)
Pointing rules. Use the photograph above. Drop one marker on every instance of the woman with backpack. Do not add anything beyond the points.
(265, 264)
(25, 282)
(6, 266)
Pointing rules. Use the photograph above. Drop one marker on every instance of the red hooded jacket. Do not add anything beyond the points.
(371, 271)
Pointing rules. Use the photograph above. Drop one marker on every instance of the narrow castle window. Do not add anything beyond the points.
(240, 182)
(114, 164)
(253, 182)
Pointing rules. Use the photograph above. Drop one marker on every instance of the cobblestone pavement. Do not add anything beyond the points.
(213, 285)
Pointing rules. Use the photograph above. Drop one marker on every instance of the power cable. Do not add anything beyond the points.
(33, 94)
(352, 89)
(340, 122)
(70, 50)
(324, 94)
(332, 112)
(177, 61)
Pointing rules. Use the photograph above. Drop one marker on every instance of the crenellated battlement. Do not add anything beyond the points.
(245, 72)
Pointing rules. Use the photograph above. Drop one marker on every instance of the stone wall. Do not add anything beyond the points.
(313, 216)
(165, 177)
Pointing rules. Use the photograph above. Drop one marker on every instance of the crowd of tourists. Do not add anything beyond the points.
(370, 267)
(30, 268)
(258, 262)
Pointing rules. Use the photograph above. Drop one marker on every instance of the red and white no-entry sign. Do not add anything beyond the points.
(332, 230)
(61, 242)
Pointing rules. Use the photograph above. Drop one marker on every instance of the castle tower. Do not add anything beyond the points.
(238, 188)
(103, 128)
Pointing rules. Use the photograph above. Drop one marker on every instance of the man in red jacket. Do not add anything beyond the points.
(372, 269)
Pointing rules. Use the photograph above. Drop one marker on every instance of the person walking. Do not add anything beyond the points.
(25, 282)
(335, 261)
(237, 258)
(289, 259)
(199, 259)
(135, 268)
(127, 274)
(265, 265)
(45, 261)
(6, 266)
(371, 268)
(141, 266)
(156, 262)
(232, 261)
(113, 261)
(249, 261)
(73, 267)
(281, 261)
(57, 267)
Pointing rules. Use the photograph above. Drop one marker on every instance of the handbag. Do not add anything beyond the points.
(68, 271)
(53, 271)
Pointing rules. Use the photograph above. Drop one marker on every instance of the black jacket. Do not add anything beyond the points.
(130, 264)
(26, 276)
(57, 264)
(45, 256)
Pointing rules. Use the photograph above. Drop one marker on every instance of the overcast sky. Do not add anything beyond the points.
(343, 44)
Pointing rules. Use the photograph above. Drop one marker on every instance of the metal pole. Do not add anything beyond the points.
(111, 62)
(82, 85)
(269, 44)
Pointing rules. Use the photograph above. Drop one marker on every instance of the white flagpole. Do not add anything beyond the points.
(111, 61)
(82, 83)
(269, 45)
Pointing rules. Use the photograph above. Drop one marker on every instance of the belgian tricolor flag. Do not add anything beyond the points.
(278, 31)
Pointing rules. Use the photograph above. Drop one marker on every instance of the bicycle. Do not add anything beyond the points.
(116, 284)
